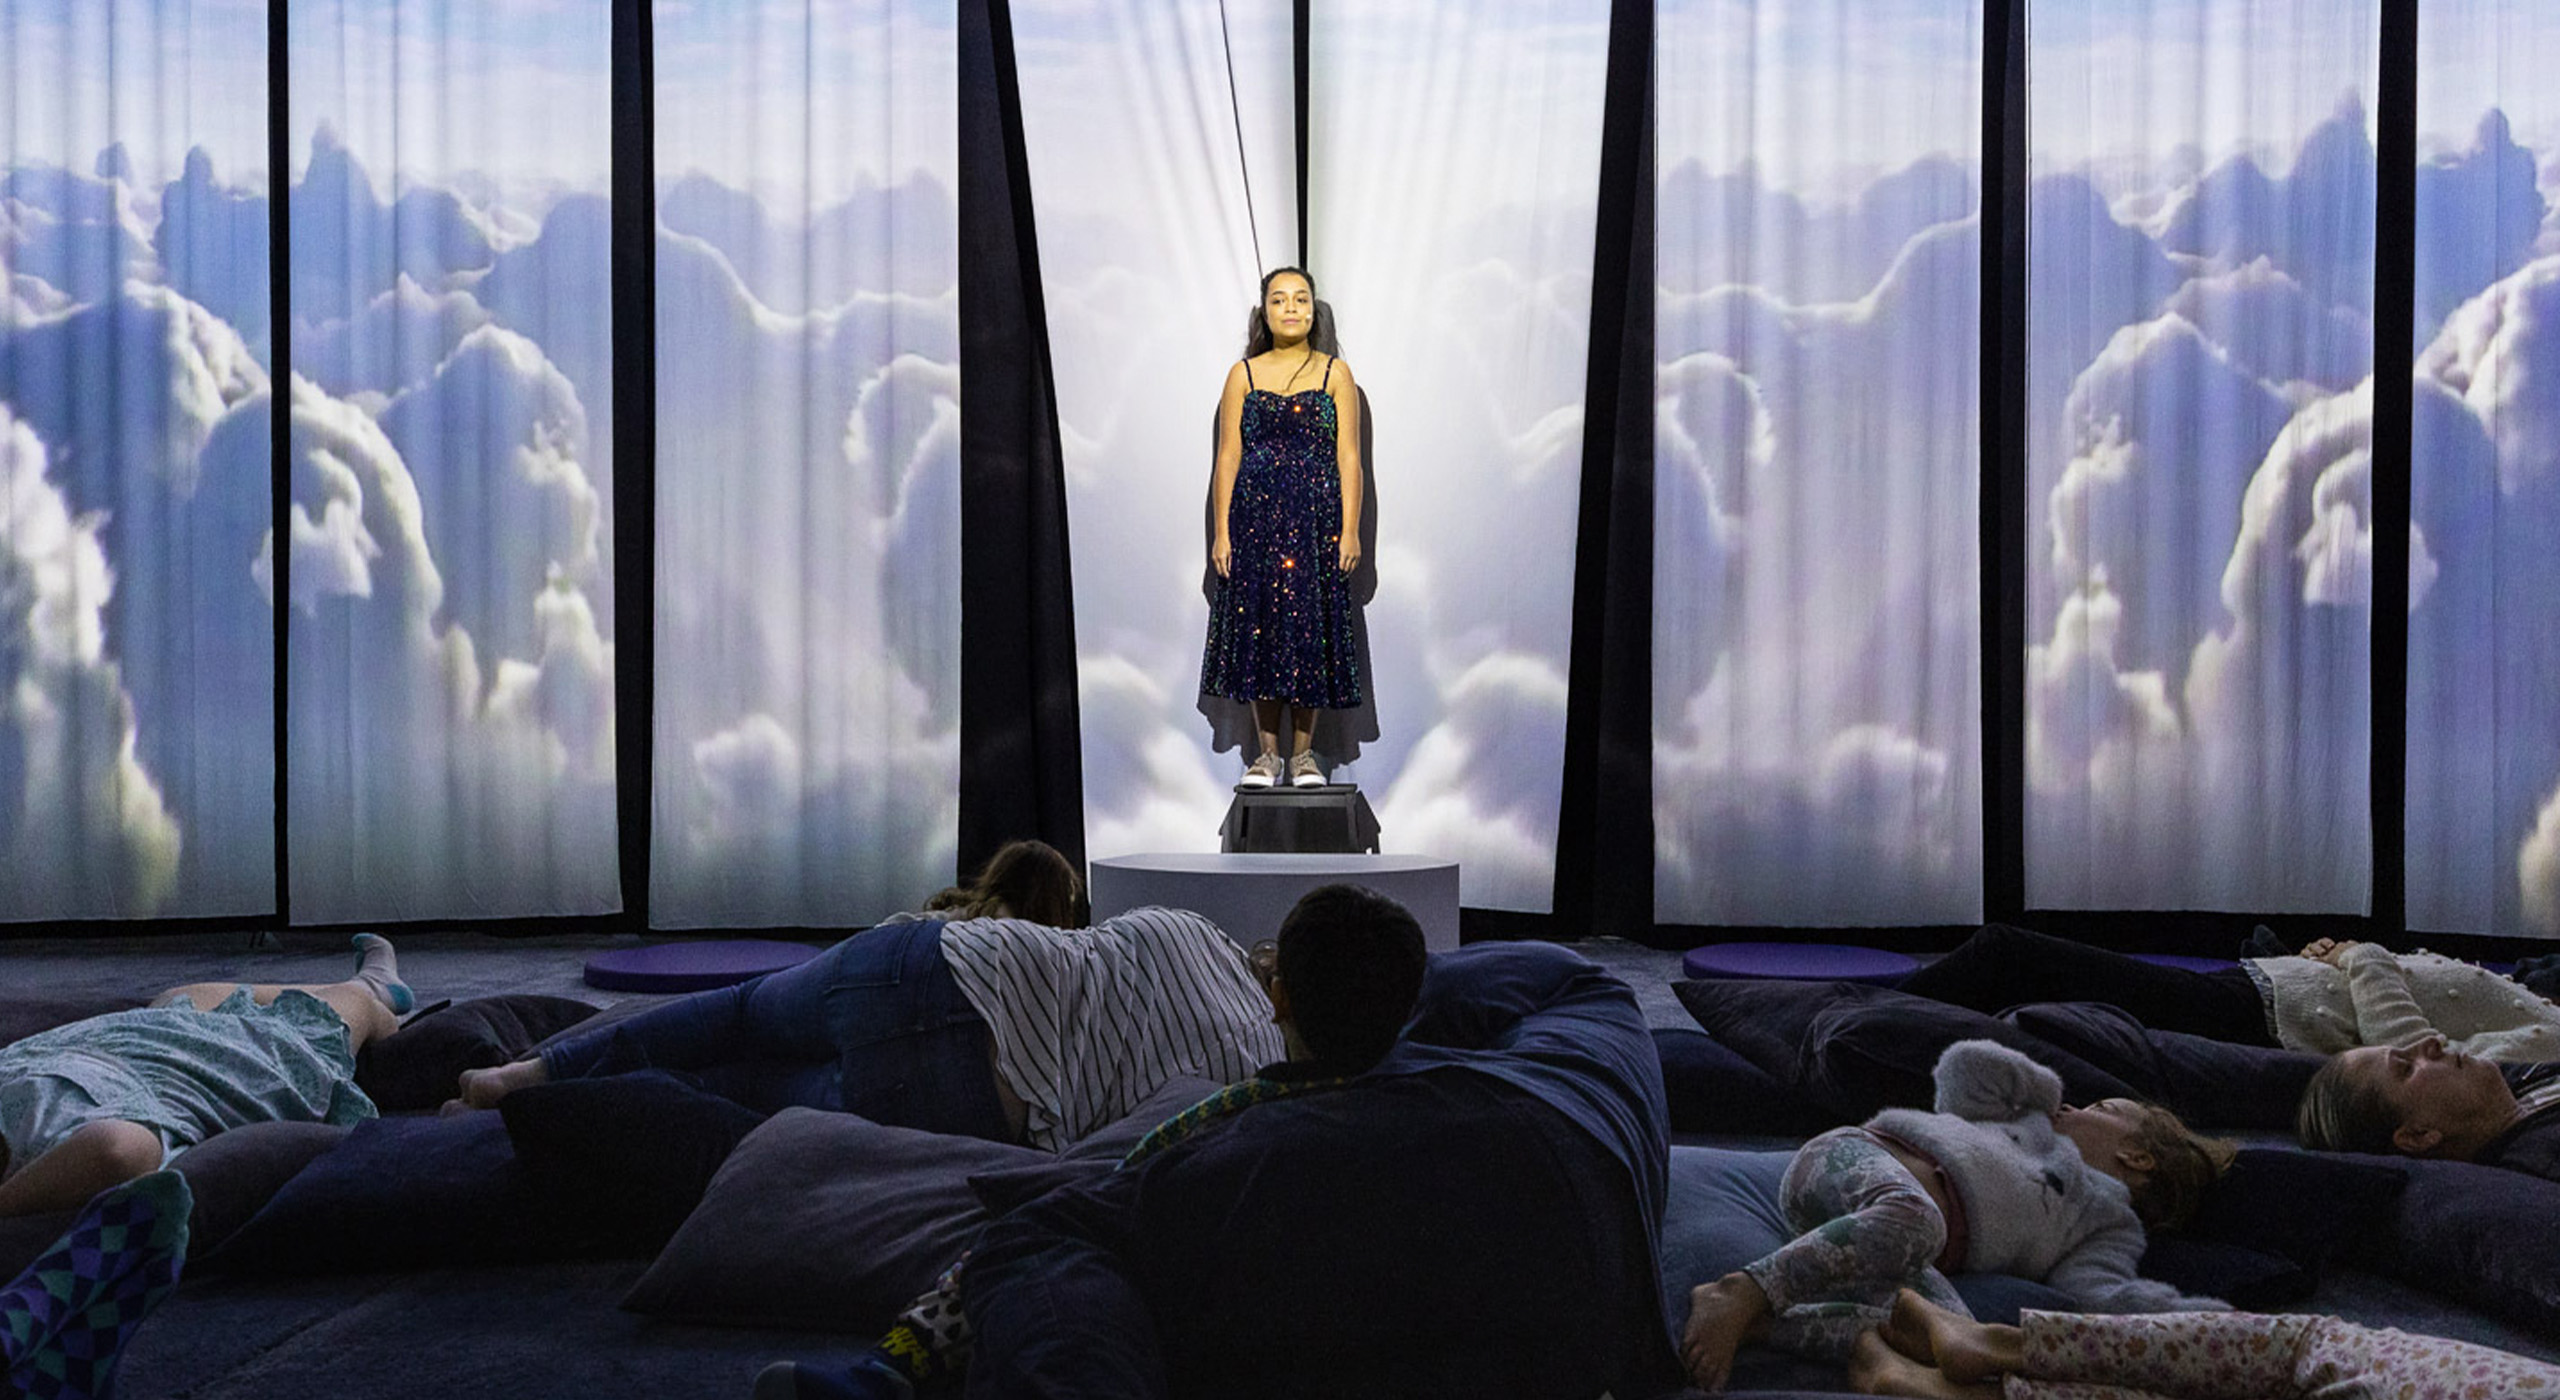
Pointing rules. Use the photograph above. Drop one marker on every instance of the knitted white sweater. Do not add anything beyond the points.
(2033, 1206)
(2382, 999)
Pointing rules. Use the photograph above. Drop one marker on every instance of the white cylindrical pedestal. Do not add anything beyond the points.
(1247, 895)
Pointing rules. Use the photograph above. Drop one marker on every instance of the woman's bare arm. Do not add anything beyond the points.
(1346, 457)
(1222, 484)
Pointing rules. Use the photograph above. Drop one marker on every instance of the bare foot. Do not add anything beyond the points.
(482, 1088)
(1722, 1316)
(1906, 1329)
(1876, 1368)
(1964, 1349)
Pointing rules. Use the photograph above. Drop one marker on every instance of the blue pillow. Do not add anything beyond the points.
(2210, 1083)
(2479, 1235)
(2303, 1206)
(1713, 1090)
(2249, 1279)
(630, 1155)
(405, 1193)
(1721, 1212)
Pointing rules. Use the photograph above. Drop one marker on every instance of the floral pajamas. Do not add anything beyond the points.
(2245, 1356)
(1866, 1228)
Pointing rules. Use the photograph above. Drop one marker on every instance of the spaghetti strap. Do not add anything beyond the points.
(1328, 373)
(1248, 374)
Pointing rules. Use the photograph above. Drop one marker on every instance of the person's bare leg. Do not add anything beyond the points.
(367, 1019)
(1876, 1367)
(1266, 725)
(1302, 729)
(1722, 1316)
(1965, 1350)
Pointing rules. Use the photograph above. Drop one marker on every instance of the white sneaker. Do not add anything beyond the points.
(1262, 772)
(1303, 771)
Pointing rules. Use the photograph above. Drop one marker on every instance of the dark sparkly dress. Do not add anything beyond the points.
(1281, 625)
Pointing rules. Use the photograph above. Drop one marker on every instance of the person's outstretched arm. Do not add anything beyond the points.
(1346, 459)
(1990, 1083)
(108, 1152)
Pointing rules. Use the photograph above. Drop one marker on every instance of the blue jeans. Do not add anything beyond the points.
(875, 1025)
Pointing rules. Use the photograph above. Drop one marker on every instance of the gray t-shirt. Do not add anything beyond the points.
(185, 1074)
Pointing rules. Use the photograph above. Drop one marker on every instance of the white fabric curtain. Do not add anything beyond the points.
(137, 759)
(1817, 652)
(450, 696)
(2484, 569)
(1161, 139)
(1454, 165)
(2201, 236)
(808, 476)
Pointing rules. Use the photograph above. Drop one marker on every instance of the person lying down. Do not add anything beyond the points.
(2002, 1177)
(106, 1100)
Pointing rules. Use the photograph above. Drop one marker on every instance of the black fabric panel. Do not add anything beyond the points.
(635, 436)
(2395, 312)
(1301, 22)
(1021, 766)
(2003, 561)
(280, 375)
(1604, 828)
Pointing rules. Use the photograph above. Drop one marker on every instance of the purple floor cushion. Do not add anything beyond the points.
(693, 967)
(1798, 962)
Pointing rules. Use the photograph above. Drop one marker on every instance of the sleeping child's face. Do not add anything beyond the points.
(2107, 1134)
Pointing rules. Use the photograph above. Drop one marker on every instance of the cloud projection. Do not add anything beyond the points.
(807, 746)
(450, 678)
(137, 769)
(1816, 653)
(2199, 422)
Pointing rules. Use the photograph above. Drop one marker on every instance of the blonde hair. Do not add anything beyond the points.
(2341, 1113)
(2184, 1165)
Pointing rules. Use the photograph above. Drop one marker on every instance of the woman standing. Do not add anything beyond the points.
(1285, 530)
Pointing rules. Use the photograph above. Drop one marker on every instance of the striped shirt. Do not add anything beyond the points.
(1088, 1022)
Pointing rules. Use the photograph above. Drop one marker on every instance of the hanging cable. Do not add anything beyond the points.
(1244, 167)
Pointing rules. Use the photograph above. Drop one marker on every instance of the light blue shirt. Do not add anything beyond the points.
(185, 1074)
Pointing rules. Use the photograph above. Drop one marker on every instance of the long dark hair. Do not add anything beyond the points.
(1028, 879)
(1320, 337)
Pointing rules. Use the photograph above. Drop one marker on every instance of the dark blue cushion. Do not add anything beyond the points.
(693, 967)
(2249, 1279)
(1799, 962)
(629, 1154)
(2210, 1083)
(1713, 1090)
(2479, 1235)
(1849, 1050)
(403, 1193)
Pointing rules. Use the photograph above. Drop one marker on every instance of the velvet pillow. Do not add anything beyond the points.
(1712, 1089)
(412, 1192)
(2211, 1083)
(1849, 1050)
(831, 1221)
(630, 1154)
(418, 1067)
(2303, 1206)
(2249, 1279)
(232, 1176)
(22, 1016)
(823, 1220)
(2482, 1236)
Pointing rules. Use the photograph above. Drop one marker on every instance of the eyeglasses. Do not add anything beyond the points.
(1264, 959)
